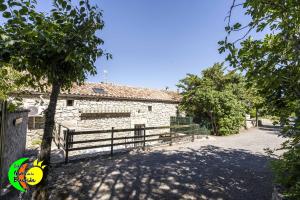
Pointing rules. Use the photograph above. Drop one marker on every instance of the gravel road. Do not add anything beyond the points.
(232, 167)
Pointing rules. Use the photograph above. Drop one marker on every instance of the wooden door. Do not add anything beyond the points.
(139, 131)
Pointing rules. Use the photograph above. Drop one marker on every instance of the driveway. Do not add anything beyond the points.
(232, 167)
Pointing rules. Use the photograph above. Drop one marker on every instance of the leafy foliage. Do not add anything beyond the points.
(60, 47)
(215, 97)
(287, 169)
(272, 63)
(11, 81)
(56, 50)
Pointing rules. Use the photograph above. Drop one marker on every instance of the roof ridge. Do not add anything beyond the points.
(129, 86)
(117, 91)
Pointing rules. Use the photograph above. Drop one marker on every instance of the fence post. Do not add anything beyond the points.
(67, 145)
(65, 138)
(193, 135)
(59, 129)
(71, 137)
(171, 136)
(144, 145)
(112, 142)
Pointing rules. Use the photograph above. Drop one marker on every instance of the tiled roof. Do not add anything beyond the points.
(113, 91)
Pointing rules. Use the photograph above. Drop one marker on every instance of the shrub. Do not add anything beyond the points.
(216, 97)
(287, 167)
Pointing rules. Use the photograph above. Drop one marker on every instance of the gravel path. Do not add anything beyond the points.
(232, 167)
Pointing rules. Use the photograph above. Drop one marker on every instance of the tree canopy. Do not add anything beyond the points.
(60, 47)
(54, 50)
(272, 63)
(216, 97)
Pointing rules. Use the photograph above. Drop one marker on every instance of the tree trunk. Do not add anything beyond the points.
(256, 116)
(213, 123)
(41, 192)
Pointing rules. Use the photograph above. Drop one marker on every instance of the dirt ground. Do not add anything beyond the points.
(232, 167)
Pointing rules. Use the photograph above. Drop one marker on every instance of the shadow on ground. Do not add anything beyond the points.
(272, 129)
(206, 173)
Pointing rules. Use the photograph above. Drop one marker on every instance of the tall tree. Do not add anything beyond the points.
(57, 50)
(272, 63)
(216, 97)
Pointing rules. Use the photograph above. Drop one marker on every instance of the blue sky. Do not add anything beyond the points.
(155, 43)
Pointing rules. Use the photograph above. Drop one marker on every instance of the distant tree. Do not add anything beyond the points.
(216, 97)
(272, 63)
(58, 50)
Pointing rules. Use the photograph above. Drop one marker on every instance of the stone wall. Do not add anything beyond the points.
(14, 141)
(70, 116)
(250, 123)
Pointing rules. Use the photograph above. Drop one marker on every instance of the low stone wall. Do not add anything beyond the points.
(14, 141)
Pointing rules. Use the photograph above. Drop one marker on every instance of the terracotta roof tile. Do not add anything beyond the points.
(122, 92)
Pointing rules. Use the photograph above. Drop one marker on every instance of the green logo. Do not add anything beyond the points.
(20, 178)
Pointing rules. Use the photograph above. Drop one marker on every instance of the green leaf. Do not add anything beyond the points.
(73, 13)
(69, 7)
(14, 3)
(4, 72)
(6, 15)
(221, 42)
(82, 9)
(23, 11)
(60, 1)
(227, 28)
(64, 4)
(81, 3)
(3, 7)
(237, 26)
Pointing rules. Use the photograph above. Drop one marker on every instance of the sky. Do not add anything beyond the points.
(155, 43)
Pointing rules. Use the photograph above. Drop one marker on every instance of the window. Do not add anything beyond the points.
(70, 102)
(37, 122)
(149, 108)
(99, 90)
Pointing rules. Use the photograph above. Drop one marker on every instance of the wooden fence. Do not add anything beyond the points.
(63, 137)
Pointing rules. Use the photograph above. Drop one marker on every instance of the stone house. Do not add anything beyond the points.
(94, 106)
